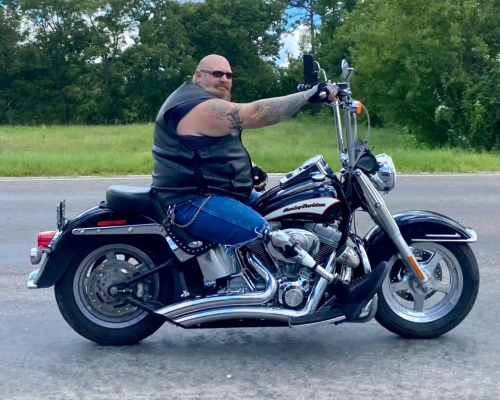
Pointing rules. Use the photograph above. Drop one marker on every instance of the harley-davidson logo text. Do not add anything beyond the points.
(297, 208)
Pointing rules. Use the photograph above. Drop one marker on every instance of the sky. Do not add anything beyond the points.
(291, 45)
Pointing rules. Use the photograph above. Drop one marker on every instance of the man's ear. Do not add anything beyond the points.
(197, 76)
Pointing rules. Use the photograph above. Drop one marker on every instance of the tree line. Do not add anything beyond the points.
(432, 67)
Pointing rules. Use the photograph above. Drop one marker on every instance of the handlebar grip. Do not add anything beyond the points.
(343, 94)
(344, 90)
(304, 87)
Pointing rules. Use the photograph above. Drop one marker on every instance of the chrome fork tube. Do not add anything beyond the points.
(338, 124)
(381, 215)
(348, 134)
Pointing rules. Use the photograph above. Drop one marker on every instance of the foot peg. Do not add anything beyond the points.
(325, 274)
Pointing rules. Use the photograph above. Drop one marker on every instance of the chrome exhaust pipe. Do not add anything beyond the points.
(259, 312)
(216, 301)
(256, 312)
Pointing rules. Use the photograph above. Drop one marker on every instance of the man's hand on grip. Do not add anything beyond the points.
(323, 92)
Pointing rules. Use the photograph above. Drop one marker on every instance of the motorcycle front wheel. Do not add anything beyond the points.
(405, 309)
(85, 303)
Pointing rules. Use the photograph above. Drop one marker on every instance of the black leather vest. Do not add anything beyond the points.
(179, 174)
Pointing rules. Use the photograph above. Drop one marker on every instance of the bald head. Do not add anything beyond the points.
(214, 62)
(220, 87)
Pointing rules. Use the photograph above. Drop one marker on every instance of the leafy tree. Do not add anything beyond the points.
(430, 66)
(307, 13)
(9, 65)
(247, 33)
(49, 59)
(333, 47)
(422, 64)
(103, 90)
(160, 61)
(321, 18)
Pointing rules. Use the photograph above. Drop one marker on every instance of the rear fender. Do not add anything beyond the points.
(416, 226)
(71, 241)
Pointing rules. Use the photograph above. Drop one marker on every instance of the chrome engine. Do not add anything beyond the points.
(294, 280)
(293, 293)
(307, 241)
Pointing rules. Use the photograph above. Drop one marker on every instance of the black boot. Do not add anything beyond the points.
(353, 296)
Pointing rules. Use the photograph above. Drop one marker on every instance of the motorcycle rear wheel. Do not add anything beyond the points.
(84, 301)
(408, 311)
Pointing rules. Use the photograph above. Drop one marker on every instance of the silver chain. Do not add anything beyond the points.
(190, 222)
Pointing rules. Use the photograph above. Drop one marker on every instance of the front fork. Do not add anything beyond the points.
(382, 216)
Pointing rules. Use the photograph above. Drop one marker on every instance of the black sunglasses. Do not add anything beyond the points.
(219, 74)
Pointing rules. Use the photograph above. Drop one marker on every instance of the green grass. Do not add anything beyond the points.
(126, 149)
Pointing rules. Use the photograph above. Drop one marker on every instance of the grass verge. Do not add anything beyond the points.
(126, 149)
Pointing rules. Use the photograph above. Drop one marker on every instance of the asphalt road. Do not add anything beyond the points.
(41, 357)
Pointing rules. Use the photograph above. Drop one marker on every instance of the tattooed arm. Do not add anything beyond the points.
(219, 117)
(277, 109)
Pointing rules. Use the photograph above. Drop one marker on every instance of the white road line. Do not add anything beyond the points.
(76, 178)
(271, 175)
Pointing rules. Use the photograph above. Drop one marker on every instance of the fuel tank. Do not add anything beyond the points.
(306, 200)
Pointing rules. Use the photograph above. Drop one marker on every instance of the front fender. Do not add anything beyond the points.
(416, 226)
(67, 245)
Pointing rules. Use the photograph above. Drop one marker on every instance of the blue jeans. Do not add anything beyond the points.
(222, 220)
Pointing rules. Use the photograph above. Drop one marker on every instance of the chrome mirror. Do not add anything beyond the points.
(345, 69)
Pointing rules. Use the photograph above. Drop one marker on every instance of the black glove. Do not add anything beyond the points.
(260, 174)
(314, 95)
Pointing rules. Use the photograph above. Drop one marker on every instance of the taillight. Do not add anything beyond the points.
(44, 238)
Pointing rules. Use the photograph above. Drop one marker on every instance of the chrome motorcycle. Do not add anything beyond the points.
(120, 270)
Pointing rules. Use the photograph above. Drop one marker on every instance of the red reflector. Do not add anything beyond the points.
(44, 238)
(111, 223)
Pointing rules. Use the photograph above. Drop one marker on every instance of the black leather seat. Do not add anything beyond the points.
(132, 199)
(141, 200)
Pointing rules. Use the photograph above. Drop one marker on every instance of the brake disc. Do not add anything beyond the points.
(107, 274)
(398, 274)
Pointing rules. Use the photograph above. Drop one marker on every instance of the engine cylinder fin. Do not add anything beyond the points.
(324, 252)
(260, 250)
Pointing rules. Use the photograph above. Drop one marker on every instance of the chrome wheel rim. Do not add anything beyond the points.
(408, 300)
(107, 266)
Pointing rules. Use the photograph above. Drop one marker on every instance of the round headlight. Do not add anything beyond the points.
(385, 178)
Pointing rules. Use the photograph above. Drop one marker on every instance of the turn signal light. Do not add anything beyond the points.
(44, 238)
(359, 109)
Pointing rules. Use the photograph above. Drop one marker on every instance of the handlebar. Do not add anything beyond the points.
(350, 109)
(344, 90)
(303, 87)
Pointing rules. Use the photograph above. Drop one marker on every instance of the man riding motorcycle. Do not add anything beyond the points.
(203, 174)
